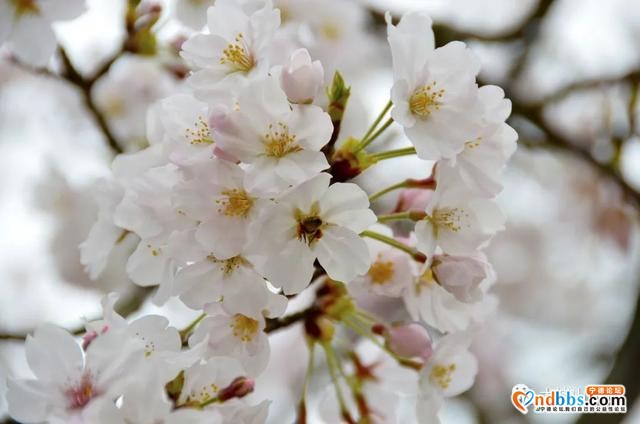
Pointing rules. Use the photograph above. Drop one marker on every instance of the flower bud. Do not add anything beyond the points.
(301, 79)
(239, 387)
(462, 275)
(413, 198)
(410, 341)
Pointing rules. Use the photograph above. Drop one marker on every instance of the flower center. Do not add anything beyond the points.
(381, 271)
(235, 202)
(309, 225)
(441, 375)
(155, 251)
(425, 99)
(425, 280)
(472, 144)
(449, 218)
(244, 327)
(278, 142)
(80, 395)
(228, 266)
(330, 31)
(237, 56)
(25, 7)
(200, 133)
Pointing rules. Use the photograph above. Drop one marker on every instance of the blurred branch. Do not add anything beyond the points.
(71, 75)
(125, 308)
(444, 33)
(626, 371)
(631, 77)
(274, 324)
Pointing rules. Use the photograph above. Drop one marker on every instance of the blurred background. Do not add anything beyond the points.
(568, 265)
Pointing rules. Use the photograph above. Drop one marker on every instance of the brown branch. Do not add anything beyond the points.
(445, 33)
(274, 324)
(71, 75)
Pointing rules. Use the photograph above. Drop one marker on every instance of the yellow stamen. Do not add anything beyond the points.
(278, 142)
(235, 202)
(228, 266)
(237, 56)
(381, 271)
(442, 375)
(244, 327)
(425, 100)
(200, 133)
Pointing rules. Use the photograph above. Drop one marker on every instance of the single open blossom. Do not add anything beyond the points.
(236, 46)
(434, 89)
(428, 301)
(234, 282)
(313, 220)
(483, 158)
(301, 79)
(280, 143)
(218, 198)
(391, 270)
(457, 220)
(26, 26)
(181, 123)
(451, 370)
(234, 335)
(69, 382)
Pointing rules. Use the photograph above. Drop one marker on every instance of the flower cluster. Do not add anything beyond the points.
(242, 200)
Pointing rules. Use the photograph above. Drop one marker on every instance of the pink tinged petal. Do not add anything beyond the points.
(33, 40)
(411, 42)
(290, 268)
(342, 253)
(427, 241)
(411, 340)
(271, 231)
(53, 355)
(148, 265)
(226, 18)
(312, 127)
(304, 195)
(347, 205)
(203, 50)
(401, 113)
(297, 167)
(28, 400)
(223, 236)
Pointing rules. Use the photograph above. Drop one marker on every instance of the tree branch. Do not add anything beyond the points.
(71, 75)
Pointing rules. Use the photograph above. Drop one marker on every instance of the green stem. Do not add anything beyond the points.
(376, 122)
(395, 243)
(333, 371)
(186, 332)
(364, 143)
(411, 215)
(407, 151)
(378, 194)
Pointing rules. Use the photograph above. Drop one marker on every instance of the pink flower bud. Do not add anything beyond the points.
(413, 198)
(301, 79)
(410, 341)
(239, 387)
(462, 275)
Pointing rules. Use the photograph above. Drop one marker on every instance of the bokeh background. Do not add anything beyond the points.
(567, 309)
